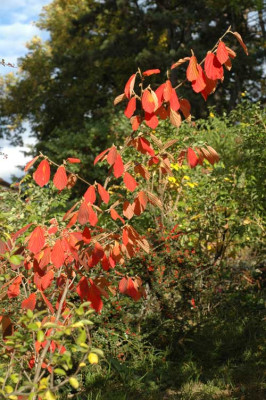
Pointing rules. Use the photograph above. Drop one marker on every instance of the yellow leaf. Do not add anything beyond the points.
(74, 382)
(93, 358)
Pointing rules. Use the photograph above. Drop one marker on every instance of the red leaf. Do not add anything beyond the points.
(167, 91)
(147, 101)
(60, 178)
(30, 163)
(123, 285)
(93, 219)
(100, 156)
(86, 235)
(7, 326)
(42, 173)
(83, 214)
(144, 146)
(131, 107)
(14, 288)
(114, 214)
(132, 291)
(72, 220)
(192, 158)
(200, 83)
(47, 302)
(210, 87)
(130, 86)
(125, 236)
(94, 296)
(20, 231)
(151, 120)
(151, 72)
(192, 70)
(104, 194)
(159, 94)
(58, 254)
(37, 240)
(112, 155)
(213, 67)
(163, 113)
(222, 53)
(185, 107)
(130, 182)
(83, 288)
(90, 196)
(47, 279)
(174, 102)
(135, 122)
(118, 166)
(73, 160)
(29, 303)
(140, 203)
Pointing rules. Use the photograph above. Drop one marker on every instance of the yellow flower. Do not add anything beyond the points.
(211, 115)
(243, 94)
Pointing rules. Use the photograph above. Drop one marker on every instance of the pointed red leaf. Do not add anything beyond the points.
(83, 288)
(86, 235)
(131, 107)
(144, 146)
(174, 102)
(185, 107)
(112, 155)
(192, 158)
(83, 214)
(60, 178)
(222, 53)
(167, 91)
(100, 156)
(151, 120)
(200, 83)
(90, 195)
(130, 86)
(147, 101)
(118, 166)
(93, 219)
(37, 240)
(58, 254)
(47, 279)
(29, 303)
(47, 302)
(213, 67)
(135, 122)
(114, 214)
(104, 194)
(159, 94)
(123, 285)
(130, 182)
(42, 173)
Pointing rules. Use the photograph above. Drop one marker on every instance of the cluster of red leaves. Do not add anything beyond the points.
(164, 103)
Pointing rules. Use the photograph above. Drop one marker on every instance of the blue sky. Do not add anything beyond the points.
(16, 29)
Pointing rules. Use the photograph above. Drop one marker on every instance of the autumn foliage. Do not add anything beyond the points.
(57, 259)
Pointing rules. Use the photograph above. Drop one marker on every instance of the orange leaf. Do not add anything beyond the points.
(86, 235)
(239, 38)
(47, 302)
(128, 210)
(139, 169)
(83, 214)
(147, 101)
(114, 214)
(42, 173)
(167, 91)
(159, 94)
(130, 86)
(222, 53)
(131, 107)
(112, 155)
(144, 146)
(130, 182)
(151, 72)
(60, 178)
(30, 163)
(73, 160)
(213, 67)
(123, 285)
(175, 118)
(29, 303)
(37, 240)
(135, 122)
(103, 193)
(192, 70)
